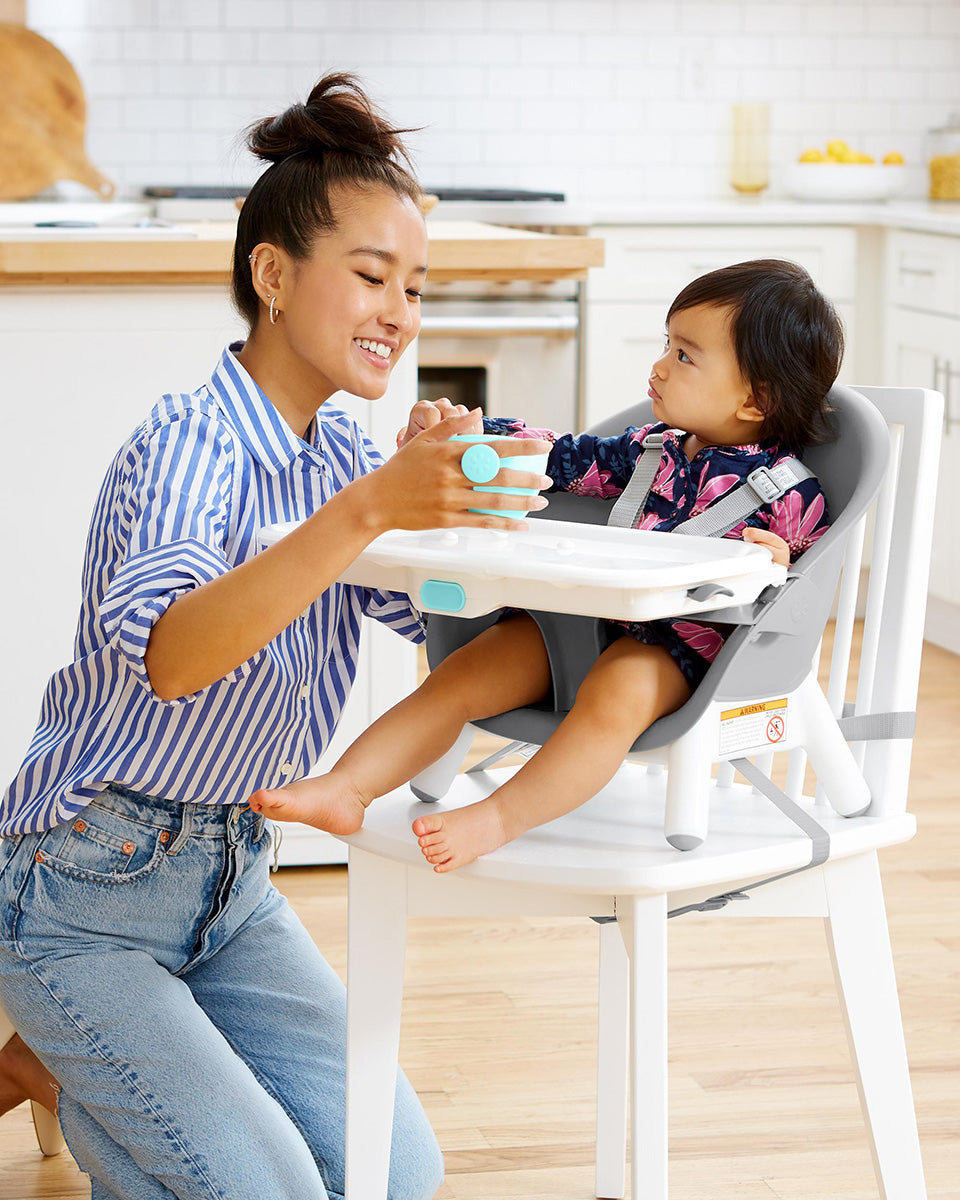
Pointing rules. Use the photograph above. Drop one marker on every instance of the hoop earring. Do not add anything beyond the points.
(273, 315)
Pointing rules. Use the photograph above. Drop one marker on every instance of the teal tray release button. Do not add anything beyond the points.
(442, 596)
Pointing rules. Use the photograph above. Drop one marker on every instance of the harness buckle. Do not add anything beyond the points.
(764, 484)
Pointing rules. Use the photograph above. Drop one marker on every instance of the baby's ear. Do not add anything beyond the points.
(756, 404)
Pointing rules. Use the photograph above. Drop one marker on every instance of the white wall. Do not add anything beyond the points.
(618, 99)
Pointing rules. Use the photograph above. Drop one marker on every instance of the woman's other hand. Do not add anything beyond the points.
(427, 413)
(773, 542)
(423, 487)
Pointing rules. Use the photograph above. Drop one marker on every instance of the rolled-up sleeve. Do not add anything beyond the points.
(170, 532)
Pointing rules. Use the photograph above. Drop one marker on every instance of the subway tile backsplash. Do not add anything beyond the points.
(602, 99)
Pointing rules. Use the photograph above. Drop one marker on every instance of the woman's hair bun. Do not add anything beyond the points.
(337, 117)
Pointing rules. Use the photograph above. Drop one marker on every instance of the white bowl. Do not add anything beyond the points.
(843, 181)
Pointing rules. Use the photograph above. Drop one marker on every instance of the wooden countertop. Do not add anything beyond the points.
(203, 255)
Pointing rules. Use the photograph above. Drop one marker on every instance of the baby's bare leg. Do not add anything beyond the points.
(628, 688)
(502, 668)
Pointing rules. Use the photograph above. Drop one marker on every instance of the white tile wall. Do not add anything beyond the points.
(618, 99)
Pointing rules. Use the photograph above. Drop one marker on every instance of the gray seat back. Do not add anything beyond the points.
(773, 647)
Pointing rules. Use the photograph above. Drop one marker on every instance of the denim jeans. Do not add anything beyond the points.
(196, 1031)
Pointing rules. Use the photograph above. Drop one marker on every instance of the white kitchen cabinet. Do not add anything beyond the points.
(645, 268)
(922, 338)
(81, 368)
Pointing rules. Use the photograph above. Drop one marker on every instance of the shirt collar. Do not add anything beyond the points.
(262, 430)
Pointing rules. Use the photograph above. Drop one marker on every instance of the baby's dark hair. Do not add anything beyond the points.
(788, 341)
(337, 138)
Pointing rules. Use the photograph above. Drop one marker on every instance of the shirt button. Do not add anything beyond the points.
(286, 768)
(304, 693)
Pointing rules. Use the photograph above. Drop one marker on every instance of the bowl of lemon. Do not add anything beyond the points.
(840, 173)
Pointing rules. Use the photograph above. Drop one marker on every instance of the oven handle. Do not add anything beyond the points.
(562, 325)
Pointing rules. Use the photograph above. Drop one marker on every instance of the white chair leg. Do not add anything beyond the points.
(688, 781)
(613, 1056)
(642, 921)
(434, 781)
(376, 941)
(830, 755)
(863, 966)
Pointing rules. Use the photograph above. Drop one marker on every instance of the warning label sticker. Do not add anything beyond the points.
(753, 725)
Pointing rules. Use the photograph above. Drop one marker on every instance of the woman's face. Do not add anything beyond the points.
(352, 308)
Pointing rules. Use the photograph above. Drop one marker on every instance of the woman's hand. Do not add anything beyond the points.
(773, 542)
(427, 413)
(423, 487)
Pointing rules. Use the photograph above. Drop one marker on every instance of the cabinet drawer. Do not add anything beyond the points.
(652, 263)
(923, 273)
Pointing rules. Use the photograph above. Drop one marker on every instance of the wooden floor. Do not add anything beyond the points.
(500, 1024)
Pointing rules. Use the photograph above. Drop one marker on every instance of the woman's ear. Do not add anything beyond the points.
(266, 270)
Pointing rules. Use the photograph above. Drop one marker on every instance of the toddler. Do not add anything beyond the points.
(751, 352)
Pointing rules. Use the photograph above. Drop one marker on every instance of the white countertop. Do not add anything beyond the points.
(921, 216)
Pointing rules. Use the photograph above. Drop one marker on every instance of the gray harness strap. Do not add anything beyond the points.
(631, 500)
(761, 486)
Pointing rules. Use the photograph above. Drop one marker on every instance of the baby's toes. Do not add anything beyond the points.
(427, 825)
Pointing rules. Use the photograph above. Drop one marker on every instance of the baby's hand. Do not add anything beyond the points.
(427, 413)
(773, 542)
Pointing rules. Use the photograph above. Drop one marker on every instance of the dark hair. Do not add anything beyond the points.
(788, 341)
(337, 138)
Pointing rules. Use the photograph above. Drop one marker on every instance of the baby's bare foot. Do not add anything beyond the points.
(325, 802)
(453, 839)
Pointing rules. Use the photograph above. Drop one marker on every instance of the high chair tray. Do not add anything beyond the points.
(594, 570)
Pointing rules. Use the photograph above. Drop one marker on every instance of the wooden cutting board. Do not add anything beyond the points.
(42, 116)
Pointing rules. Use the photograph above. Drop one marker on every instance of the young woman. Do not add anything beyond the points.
(196, 1032)
(751, 352)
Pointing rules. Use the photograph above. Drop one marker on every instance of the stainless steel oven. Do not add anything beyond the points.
(512, 348)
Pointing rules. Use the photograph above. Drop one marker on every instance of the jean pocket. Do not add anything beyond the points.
(103, 846)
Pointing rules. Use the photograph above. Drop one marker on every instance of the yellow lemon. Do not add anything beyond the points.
(836, 150)
(894, 158)
(812, 156)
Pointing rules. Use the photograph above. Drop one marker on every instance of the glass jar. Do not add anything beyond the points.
(749, 167)
(944, 160)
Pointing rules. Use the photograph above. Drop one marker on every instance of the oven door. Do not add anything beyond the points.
(512, 349)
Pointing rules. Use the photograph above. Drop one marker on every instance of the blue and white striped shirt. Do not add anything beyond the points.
(181, 504)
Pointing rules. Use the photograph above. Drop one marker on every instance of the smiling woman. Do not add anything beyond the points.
(195, 1030)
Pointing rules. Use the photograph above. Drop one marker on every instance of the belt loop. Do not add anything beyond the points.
(186, 829)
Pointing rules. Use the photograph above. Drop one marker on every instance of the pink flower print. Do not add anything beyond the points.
(665, 478)
(797, 522)
(594, 483)
(717, 487)
(648, 521)
(702, 638)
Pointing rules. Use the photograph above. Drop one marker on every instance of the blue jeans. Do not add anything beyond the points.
(196, 1031)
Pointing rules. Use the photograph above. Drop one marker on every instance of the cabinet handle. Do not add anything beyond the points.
(949, 375)
(922, 272)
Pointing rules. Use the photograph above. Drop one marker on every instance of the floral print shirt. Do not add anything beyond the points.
(601, 466)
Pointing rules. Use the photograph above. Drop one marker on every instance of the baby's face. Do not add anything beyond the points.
(696, 384)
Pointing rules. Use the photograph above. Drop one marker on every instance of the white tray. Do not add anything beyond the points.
(595, 570)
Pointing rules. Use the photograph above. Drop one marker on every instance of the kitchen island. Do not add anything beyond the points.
(95, 325)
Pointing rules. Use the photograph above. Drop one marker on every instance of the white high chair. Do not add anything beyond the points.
(608, 860)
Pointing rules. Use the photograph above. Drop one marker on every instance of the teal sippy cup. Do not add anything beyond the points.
(481, 463)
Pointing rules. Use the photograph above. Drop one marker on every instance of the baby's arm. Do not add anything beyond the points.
(582, 463)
